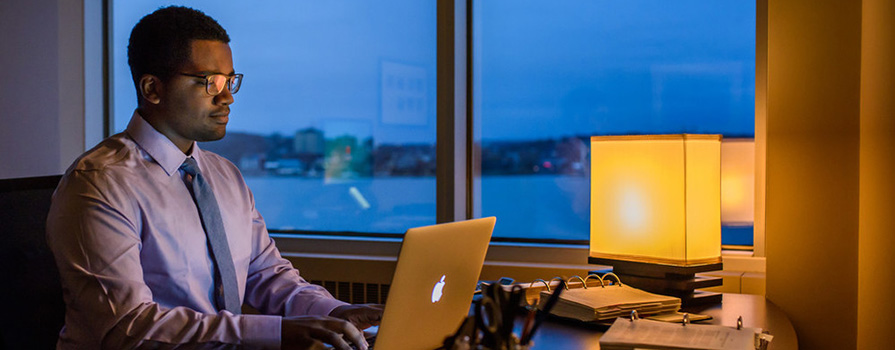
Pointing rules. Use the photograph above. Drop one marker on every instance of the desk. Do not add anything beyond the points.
(755, 309)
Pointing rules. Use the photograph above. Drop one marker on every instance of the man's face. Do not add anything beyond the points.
(189, 112)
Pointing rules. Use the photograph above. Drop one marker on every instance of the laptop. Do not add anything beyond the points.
(431, 291)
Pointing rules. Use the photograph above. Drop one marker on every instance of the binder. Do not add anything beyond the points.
(599, 299)
(635, 333)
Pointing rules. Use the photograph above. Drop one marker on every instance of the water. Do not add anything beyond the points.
(526, 206)
(529, 206)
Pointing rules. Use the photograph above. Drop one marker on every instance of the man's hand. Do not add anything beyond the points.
(312, 332)
(362, 316)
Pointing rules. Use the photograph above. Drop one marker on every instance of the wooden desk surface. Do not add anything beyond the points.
(755, 309)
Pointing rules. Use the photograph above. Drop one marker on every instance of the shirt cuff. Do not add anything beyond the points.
(324, 306)
(263, 331)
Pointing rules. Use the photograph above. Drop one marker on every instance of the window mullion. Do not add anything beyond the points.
(451, 171)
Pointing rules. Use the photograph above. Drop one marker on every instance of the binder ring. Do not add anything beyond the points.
(613, 275)
(583, 282)
(542, 281)
(594, 275)
(561, 280)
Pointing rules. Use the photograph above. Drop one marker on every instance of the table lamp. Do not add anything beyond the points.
(656, 211)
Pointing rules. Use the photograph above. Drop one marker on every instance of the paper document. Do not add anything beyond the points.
(646, 334)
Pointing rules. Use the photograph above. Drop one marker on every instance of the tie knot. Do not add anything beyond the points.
(190, 166)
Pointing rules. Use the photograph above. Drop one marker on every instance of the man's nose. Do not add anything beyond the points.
(225, 97)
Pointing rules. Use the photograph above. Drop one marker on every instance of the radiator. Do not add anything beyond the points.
(356, 292)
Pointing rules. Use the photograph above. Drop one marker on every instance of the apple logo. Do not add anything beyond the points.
(436, 292)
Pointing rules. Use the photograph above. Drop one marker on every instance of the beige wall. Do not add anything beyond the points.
(29, 89)
(43, 89)
(830, 170)
(813, 134)
(876, 243)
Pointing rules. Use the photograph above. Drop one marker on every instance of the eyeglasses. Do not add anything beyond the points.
(214, 83)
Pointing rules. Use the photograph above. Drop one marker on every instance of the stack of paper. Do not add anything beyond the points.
(645, 334)
(606, 303)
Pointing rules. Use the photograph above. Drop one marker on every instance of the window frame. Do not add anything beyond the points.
(455, 171)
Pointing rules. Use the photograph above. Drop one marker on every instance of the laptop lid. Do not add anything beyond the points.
(431, 291)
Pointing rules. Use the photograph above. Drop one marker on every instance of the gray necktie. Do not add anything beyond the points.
(225, 286)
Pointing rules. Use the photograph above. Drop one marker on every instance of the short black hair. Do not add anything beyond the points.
(160, 42)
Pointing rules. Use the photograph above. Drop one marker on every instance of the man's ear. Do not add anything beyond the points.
(151, 88)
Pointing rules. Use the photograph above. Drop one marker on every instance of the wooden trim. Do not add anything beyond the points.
(445, 141)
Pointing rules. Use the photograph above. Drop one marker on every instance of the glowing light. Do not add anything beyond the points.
(632, 208)
(656, 198)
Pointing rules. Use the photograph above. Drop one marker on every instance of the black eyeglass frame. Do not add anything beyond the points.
(233, 82)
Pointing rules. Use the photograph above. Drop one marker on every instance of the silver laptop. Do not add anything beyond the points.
(432, 288)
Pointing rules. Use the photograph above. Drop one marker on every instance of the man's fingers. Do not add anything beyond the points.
(331, 337)
(356, 336)
(361, 315)
(351, 333)
(318, 345)
(336, 331)
(310, 332)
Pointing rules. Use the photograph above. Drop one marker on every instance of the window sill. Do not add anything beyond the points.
(325, 257)
(388, 248)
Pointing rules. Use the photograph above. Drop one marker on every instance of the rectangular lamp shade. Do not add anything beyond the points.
(656, 198)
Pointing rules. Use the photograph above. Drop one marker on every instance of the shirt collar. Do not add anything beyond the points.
(158, 146)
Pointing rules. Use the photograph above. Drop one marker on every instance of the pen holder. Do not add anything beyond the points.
(494, 317)
(466, 343)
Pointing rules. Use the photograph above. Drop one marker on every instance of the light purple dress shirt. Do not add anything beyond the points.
(134, 260)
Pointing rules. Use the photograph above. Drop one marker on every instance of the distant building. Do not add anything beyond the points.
(251, 163)
(309, 141)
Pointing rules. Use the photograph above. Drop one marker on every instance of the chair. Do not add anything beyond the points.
(31, 294)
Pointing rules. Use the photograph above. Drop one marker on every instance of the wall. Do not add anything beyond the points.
(876, 242)
(42, 124)
(830, 250)
(813, 115)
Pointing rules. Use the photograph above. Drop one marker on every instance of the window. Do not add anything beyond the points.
(334, 125)
(548, 75)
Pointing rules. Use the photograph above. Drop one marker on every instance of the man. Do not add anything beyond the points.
(158, 242)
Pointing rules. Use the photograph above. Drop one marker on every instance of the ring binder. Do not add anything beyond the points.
(546, 285)
(561, 280)
(635, 333)
(619, 280)
(583, 282)
(600, 304)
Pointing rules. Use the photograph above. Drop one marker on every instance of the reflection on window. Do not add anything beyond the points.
(550, 74)
(334, 126)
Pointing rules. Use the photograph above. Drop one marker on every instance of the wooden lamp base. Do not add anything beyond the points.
(666, 279)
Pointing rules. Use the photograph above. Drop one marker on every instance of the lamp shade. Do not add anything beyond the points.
(656, 198)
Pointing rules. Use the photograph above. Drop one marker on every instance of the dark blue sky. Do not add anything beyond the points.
(544, 68)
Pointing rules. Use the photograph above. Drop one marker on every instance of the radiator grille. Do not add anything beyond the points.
(355, 292)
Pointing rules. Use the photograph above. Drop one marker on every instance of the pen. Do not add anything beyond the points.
(542, 314)
(529, 321)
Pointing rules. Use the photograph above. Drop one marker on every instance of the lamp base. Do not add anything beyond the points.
(678, 281)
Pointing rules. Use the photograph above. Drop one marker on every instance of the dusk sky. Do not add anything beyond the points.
(543, 68)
